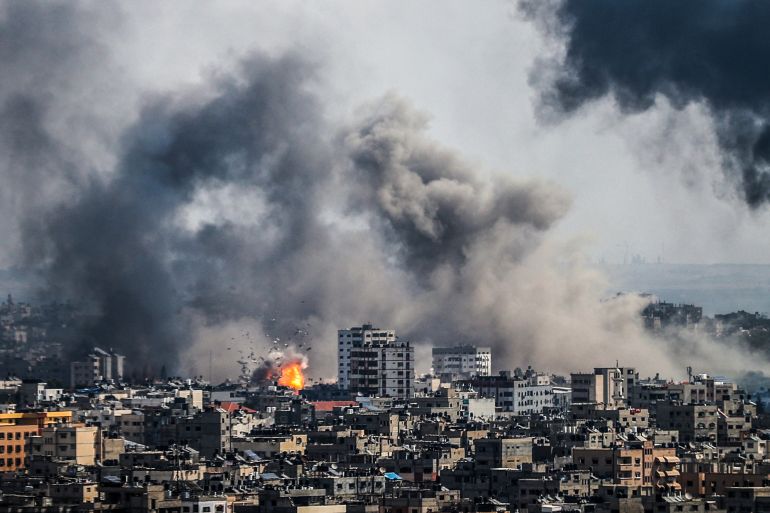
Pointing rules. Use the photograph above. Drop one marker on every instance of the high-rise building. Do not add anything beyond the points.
(373, 362)
(356, 337)
(462, 362)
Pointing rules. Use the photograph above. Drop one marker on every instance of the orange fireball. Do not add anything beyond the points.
(292, 376)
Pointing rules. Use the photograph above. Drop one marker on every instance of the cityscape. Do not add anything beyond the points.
(349, 256)
(379, 437)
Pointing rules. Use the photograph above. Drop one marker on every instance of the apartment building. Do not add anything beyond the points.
(373, 362)
(461, 362)
(502, 452)
(357, 337)
(76, 443)
(610, 386)
(631, 463)
(695, 422)
(98, 366)
(16, 429)
(525, 393)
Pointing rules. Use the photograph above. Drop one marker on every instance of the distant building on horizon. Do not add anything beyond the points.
(461, 362)
(659, 315)
(608, 386)
(100, 365)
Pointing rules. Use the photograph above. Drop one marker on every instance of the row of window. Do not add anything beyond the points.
(14, 436)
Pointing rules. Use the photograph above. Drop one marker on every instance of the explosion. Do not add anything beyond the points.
(287, 369)
(292, 376)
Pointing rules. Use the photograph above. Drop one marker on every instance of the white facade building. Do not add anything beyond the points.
(356, 337)
(373, 362)
(462, 362)
(526, 394)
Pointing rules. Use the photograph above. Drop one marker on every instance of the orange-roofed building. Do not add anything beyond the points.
(232, 407)
(328, 406)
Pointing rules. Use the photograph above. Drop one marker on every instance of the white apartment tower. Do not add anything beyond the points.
(373, 362)
(462, 362)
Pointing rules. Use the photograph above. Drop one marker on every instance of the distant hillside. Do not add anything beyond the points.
(18, 283)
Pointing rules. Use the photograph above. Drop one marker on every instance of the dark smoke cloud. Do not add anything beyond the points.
(309, 222)
(45, 50)
(711, 52)
(117, 246)
(221, 212)
(271, 367)
(434, 204)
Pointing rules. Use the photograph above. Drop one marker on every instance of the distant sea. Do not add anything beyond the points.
(718, 288)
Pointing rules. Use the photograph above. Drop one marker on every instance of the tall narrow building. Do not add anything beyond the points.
(374, 362)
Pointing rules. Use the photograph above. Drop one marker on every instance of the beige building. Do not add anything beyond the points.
(633, 464)
(609, 386)
(503, 452)
(271, 445)
(76, 443)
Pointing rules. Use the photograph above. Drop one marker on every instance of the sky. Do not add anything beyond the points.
(646, 183)
(226, 174)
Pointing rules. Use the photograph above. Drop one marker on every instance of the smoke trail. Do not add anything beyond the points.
(635, 51)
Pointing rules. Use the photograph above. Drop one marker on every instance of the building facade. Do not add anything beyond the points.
(98, 366)
(610, 386)
(462, 362)
(373, 362)
(528, 393)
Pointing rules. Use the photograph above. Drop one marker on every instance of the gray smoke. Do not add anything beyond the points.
(187, 218)
(708, 52)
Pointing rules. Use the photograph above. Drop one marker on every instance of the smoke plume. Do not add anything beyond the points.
(238, 204)
(702, 52)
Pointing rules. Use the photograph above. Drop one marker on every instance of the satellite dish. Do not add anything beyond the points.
(382, 470)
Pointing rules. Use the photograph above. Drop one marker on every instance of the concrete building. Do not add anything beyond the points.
(502, 452)
(633, 463)
(16, 430)
(357, 337)
(32, 392)
(76, 443)
(462, 362)
(100, 365)
(373, 362)
(695, 422)
(609, 386)
(525, 393)
(13, 445)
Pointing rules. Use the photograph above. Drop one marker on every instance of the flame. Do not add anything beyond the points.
(292, 376)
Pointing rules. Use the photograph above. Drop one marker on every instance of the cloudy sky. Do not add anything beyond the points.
(649, 181)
